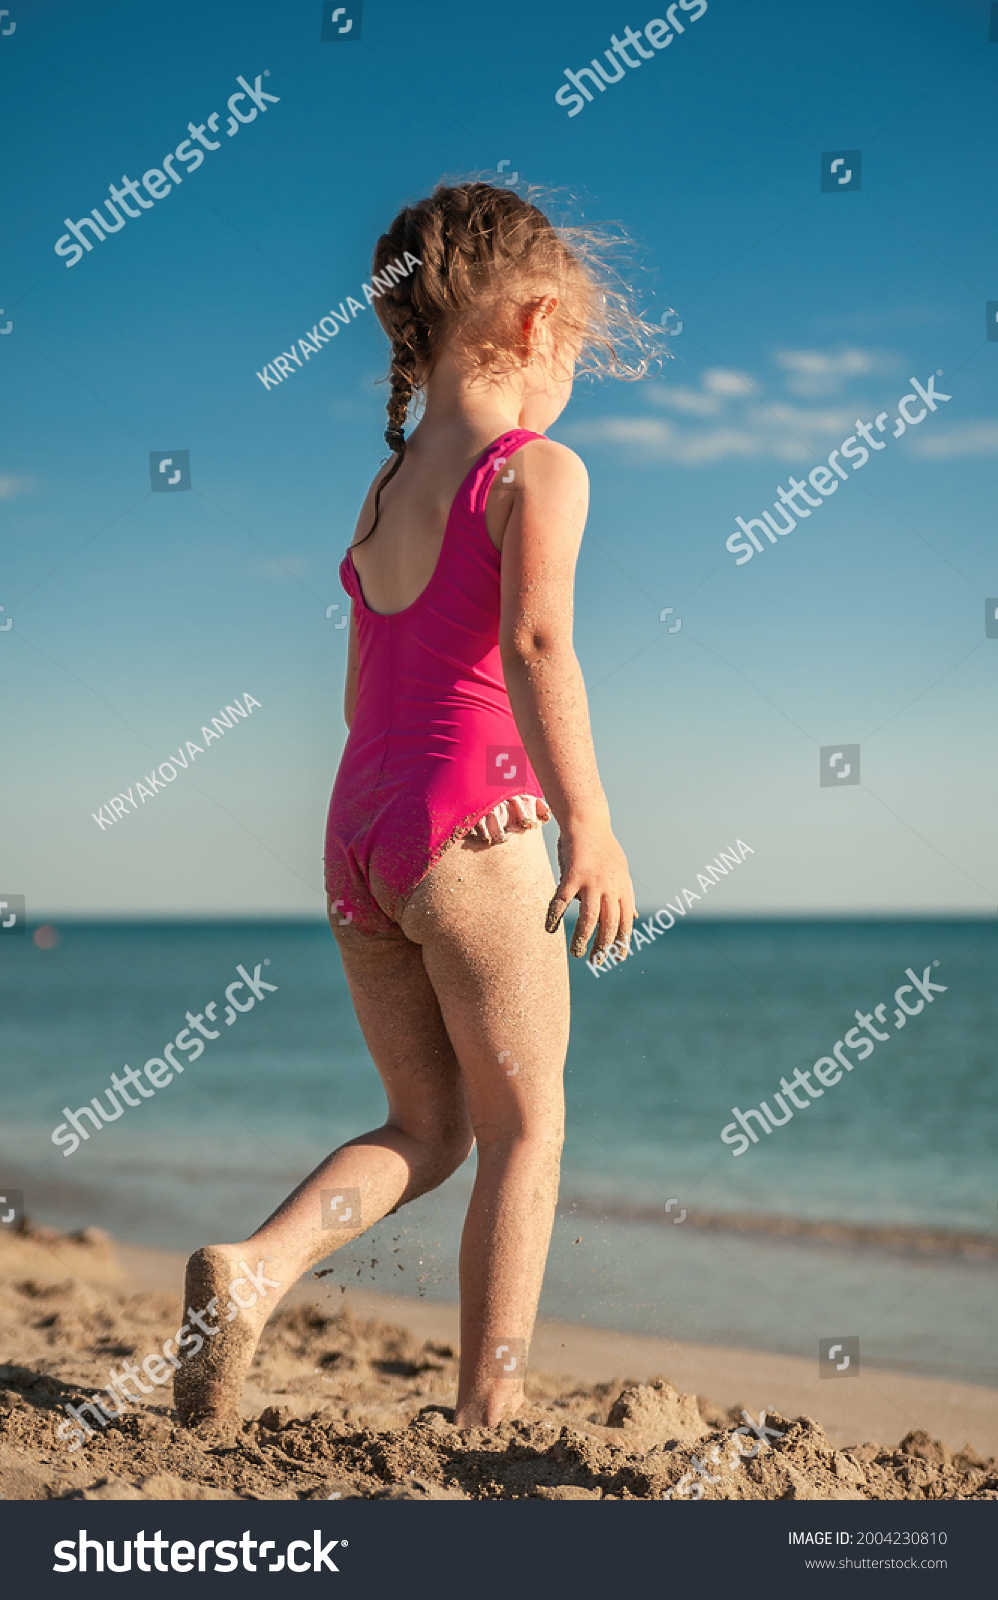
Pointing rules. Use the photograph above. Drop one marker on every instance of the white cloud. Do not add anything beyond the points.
(717, 385)
(799, 419)
(820, 372)
(656, 440)
(821, 362)
(10, 486)
(967, 439)
(719, 380)
(290, 567)
(691, 401)
(728, 415)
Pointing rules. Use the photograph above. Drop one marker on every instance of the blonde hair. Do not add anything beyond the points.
(483, 253)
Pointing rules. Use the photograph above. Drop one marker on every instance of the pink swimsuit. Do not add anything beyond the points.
(433, 745)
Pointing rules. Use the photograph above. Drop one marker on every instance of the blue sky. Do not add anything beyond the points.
(136, 616)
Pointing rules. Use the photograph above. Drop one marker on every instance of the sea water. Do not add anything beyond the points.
(708, 1017)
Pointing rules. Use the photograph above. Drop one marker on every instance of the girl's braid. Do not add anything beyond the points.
(409, 351)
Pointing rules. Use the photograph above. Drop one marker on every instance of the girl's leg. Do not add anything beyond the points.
(427, 1133)
(502, 985)
(425, 1137)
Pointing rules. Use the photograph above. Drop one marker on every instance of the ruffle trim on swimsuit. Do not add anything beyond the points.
(522, 811)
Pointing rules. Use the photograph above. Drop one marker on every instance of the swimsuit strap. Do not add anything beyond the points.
(475, 490)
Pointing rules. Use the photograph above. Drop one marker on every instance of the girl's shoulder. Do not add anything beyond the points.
(544, 503)
(552, 468)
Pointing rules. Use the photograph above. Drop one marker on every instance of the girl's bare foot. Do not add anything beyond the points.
(226, 1305)
(489, 1412)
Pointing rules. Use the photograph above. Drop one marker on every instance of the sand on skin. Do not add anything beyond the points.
(342, 1403)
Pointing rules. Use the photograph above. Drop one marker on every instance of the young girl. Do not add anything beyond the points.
(468, 729)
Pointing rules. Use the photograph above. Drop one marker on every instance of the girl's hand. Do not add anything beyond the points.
(594, 872)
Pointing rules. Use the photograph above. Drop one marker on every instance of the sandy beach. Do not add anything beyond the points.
(350, 1395)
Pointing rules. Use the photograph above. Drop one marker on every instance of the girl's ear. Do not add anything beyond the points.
(535, 332)
(541, 311)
